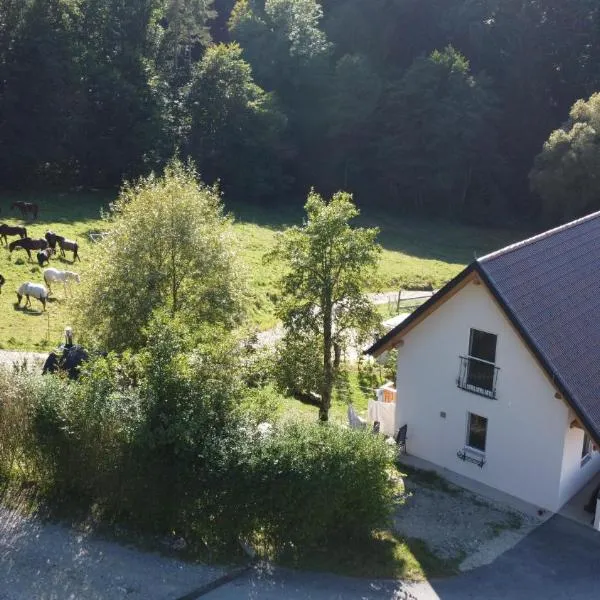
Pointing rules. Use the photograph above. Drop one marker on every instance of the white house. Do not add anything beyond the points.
(499, 372)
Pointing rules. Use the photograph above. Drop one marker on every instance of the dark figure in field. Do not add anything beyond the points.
(2, 282)
(69, 357)
(28, 245)
(43, 256)
(26, 208)
(6, 230)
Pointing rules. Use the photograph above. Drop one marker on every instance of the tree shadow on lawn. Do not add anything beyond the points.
(384, 555)
(433, 239)
(55, 207)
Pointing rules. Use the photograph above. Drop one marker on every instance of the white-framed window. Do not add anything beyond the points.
(586, 449)
(476, 433)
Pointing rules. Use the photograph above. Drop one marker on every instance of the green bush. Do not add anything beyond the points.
(168, 441)
(304, 485)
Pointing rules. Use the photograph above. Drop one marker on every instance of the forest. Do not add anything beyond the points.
(443, 108)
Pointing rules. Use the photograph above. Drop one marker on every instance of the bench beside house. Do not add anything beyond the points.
(498, 373)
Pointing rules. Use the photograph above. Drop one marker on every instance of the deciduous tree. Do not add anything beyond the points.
(566, 172)
(328, 264)
(169, 247)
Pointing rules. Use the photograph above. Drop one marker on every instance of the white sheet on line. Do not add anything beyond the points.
(385, 413)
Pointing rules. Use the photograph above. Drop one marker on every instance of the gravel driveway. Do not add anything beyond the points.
(457, 524)
(50, 562)
(34, 360)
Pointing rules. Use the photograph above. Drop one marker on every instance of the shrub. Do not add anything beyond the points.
(306, 485)
(162, 442)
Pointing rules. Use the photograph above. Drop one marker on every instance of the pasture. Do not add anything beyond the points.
(416, 254)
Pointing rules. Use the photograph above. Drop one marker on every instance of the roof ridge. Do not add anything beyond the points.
(539, 236)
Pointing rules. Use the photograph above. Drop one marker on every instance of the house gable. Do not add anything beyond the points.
(526, 423)
(477, 274)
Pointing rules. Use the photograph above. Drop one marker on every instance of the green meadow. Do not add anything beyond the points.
(416, 254)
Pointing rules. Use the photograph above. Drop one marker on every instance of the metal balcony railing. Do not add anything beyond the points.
(477, 376)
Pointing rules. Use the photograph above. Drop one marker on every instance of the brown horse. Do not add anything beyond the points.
(68, 245)
(6, 230)
(26, 208)
(2, 282)
(52, 238)
(43, 256)
(28, 245)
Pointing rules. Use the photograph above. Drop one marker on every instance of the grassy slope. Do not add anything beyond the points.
(416, 253)
(70, 215)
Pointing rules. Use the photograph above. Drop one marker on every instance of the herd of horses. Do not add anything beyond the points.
(45, 248)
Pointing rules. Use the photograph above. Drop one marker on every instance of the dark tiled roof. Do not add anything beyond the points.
(549, 286)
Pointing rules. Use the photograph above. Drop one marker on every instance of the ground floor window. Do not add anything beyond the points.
(476, 432)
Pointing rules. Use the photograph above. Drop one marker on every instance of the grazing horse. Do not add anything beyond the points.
(6, 230)
(52, 238)
(43, 256)
(56, 276)
(2, 282)
(37, 290)
(28, 245)
(26, 208)
(70, 245)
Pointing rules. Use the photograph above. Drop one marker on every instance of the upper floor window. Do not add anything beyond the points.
(482, 345)
(478, 370)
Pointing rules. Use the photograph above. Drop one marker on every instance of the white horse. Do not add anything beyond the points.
(37, 290)
(56, 276)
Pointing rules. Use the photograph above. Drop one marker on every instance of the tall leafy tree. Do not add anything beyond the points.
(39, 89)
(350, 109)
(565, 173)
(328, 265)
(436, 149)
(169, 248)
(186, 32)
(123, 122)
(236, 126)
(290, 55)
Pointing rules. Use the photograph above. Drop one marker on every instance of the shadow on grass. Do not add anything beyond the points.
(382, 556)
(29, 310)
(58, 207)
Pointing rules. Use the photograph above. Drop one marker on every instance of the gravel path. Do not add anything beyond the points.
(50, 562)
(34, 360)
(457, 524)
(272, 336)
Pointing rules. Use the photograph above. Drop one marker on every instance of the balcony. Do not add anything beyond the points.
(477, 376)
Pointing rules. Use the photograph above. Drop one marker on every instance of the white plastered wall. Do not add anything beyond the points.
(527, 424)
(574, 475)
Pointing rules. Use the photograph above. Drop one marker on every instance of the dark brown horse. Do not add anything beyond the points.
(26, 208)
(28, 245)
(2, 282)
(52, 238)
(43, 256)
(6, 230)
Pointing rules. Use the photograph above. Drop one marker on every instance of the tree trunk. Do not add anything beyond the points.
(337, 356)
(327, 363)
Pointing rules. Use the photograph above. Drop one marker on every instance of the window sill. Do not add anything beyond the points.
(471, 455)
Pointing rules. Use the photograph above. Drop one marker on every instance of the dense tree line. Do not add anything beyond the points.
(431, 106)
